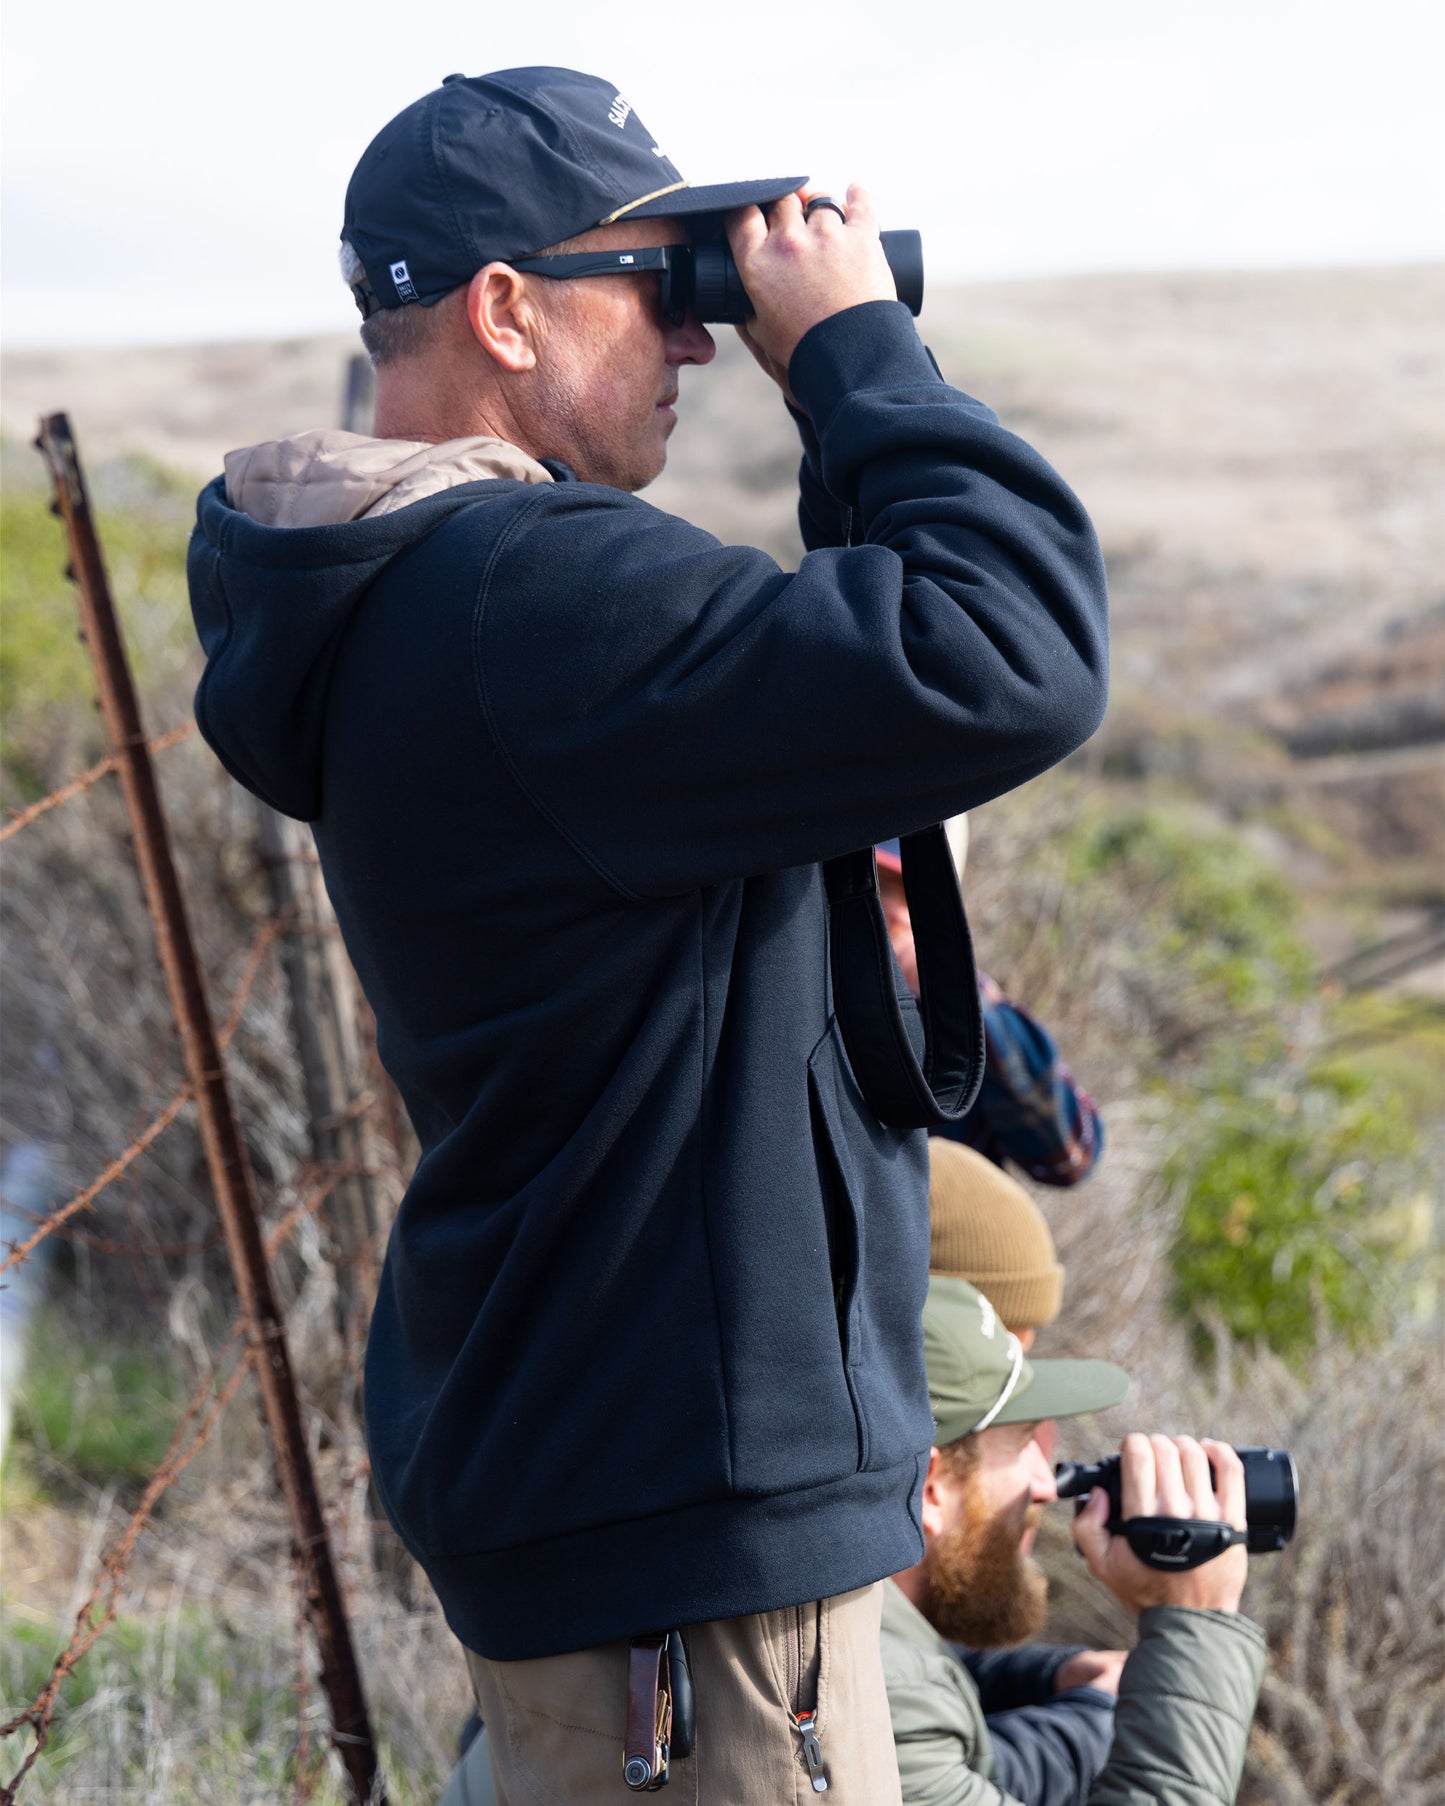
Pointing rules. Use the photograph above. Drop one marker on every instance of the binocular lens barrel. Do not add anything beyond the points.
(718, 295)
(1271, 1497)
(1271, 1492)
(719, 298)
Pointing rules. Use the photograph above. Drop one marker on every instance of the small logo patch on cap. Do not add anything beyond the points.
(618, 111)
(401, 276)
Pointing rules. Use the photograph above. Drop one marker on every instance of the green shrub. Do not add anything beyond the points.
(1294, 1209)
(45, 677)
(42, 662)
(100, 1415)
(1209, 922)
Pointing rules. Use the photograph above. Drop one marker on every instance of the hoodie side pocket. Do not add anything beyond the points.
(842, 1236)
(876, 1183)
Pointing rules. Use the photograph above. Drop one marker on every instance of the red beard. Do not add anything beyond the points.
(979, 1587)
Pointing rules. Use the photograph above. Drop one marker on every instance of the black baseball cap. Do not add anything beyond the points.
(488, 168)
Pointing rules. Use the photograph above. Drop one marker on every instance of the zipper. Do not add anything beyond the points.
(793, 1661)
(805, 1726)
(804, 1722)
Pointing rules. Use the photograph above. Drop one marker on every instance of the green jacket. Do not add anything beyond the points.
(1185, 1702)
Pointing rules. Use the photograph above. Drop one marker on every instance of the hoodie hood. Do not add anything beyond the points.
(285, 546)
(322, 478)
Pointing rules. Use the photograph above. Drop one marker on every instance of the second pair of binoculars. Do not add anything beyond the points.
(1271, 1501)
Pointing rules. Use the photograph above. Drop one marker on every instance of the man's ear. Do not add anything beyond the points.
(503, 317)
(934, 1510)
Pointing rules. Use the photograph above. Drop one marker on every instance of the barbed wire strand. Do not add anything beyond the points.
(24, 817)
(136, 1249)
(20, 1251)
(270, 931)
(327, 1179)
(331, 1174)
(86, 780)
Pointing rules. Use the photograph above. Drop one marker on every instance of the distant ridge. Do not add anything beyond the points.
(187, 404)
(1263, 453)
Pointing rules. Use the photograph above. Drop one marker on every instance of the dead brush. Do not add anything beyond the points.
(1355, 1613)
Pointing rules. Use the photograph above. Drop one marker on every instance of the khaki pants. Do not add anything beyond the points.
(555, 1725)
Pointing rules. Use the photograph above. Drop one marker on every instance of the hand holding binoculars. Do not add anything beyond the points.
(717, 295)
(1271, 1493)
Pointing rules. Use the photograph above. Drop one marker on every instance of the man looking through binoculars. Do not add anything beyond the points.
(646, 1355)
(1187, 1691)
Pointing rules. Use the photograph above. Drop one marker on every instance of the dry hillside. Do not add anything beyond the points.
(1264, 454)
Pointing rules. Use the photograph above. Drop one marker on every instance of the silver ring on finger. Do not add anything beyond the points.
(824, 200)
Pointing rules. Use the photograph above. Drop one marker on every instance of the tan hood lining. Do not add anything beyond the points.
(325, 477)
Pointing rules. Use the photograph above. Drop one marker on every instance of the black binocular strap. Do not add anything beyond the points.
(903, 1092)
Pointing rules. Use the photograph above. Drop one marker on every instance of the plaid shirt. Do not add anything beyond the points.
(1029, 1109)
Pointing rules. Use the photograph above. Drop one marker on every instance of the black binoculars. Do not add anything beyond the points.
(1271, 1495)
(716, 294)
(702, 278)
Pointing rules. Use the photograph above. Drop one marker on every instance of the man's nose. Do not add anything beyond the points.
(1042, 1487)
(690, 343)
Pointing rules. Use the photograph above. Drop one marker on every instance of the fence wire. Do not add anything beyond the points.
(20, 1251)
(87, 779)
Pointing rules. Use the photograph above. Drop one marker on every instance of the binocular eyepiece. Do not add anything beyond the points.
(717, 295)
(1271, 1493)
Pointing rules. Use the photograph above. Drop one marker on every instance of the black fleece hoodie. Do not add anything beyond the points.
(647, 1349)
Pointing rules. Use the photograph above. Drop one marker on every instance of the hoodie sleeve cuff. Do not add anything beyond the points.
(872, 346)
(807, 432)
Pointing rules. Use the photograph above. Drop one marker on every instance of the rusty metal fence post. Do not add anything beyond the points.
(226, 1157)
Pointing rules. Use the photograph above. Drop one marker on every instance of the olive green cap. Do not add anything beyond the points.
(977, 1373)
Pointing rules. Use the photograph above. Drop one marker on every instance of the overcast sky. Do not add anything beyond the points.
(175, 171)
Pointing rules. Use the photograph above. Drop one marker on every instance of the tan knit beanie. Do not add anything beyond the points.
(988, 1230)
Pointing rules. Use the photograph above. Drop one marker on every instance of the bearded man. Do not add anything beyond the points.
(1188, 1689)
(1049, 1712)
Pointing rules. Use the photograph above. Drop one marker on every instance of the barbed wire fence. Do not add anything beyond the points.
(355, 1158)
